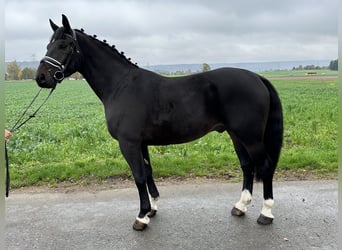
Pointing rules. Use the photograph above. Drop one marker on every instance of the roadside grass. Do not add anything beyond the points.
(68, 141)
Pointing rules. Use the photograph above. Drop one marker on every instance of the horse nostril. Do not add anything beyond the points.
(40, 78)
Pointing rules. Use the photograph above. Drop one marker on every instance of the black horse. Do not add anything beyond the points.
(143, 108)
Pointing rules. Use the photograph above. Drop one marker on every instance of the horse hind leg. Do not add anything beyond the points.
(266, 217)
(264, 171)
(254, 162)
(240, 208)
(152, 188)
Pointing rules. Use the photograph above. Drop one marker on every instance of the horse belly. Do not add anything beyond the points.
(184, 115)
(180, 132)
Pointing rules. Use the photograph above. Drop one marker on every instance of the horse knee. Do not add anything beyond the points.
(140, 179)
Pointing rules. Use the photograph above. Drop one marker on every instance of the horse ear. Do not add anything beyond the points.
(53, 25)
(66, 24)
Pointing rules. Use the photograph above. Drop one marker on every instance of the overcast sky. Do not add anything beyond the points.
(182, 31)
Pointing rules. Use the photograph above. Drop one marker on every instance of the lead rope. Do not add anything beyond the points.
(18, 125)
(7, 171)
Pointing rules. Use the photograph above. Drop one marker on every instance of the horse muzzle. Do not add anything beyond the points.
(45, 80)
(47, 76)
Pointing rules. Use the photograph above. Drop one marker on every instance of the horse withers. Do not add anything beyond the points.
(143, 108)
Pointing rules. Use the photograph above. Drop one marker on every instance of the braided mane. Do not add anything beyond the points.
(112, 47)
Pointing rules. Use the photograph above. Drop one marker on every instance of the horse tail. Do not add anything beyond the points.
(273, 136)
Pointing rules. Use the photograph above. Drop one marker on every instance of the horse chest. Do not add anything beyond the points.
(127, 121)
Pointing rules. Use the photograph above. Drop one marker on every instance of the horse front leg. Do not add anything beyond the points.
(132, 153)
(152, 188)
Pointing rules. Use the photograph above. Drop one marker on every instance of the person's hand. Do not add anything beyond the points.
(8, 134)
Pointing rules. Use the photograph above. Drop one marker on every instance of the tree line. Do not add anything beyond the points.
(333, 65)
(14, 72)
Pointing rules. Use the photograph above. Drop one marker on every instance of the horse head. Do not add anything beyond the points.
(62, 57)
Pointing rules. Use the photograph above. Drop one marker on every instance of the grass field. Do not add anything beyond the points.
(68, 141)
(299, 73)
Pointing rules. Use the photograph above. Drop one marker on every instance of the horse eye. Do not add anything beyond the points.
(62, 46)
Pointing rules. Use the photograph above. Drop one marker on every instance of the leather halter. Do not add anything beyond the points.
(59, 73)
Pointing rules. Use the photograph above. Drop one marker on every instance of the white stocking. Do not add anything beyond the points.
(245, 200)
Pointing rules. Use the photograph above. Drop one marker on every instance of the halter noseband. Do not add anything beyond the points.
(59, 74)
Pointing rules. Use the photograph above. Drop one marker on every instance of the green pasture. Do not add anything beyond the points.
(300, 73)
(68, 141)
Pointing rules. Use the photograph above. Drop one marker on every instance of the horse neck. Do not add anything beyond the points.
(104, 69)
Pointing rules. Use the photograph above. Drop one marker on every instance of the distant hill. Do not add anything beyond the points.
(253, 66)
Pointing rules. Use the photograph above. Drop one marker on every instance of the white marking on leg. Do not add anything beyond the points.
(267, 207)
(144, 220)
(153, 202)
(245, 200)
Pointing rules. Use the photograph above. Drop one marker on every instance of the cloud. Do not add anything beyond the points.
(166, 32)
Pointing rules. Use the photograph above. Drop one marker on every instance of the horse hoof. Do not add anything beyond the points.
(237, 212)
(263, 220)
(139, 226)
(152, 213)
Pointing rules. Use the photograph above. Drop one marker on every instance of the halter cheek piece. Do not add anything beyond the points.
(59, 73)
